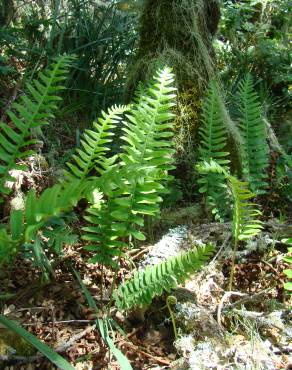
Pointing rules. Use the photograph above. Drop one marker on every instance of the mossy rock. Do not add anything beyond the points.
(10, 342)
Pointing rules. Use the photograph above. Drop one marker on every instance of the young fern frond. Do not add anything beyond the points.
(213, 133)
(255, 149)
(28, 115)
(154, 280)
(94, 145)
(133, 186)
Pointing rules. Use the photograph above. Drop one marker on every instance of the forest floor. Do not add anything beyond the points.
(248, 328)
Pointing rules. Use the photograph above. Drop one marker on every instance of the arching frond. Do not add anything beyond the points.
(154, 280)
(28, 114)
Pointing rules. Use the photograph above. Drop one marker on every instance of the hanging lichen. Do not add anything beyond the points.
(177, 33)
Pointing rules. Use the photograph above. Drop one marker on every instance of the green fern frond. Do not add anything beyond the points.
(213, 130)
(29, 114)
(245, 214)
(94, 145)
(211, 166)
(8, 247)
(133, 186)
(154, 280)
(51, 203)
(255, 147)
(213, 133)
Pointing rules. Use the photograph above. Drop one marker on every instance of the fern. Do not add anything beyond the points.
(92, 154)
(255, 147)
(288, 271)
(25, 224)
(29, 114)
(51, 203)
(245, 213)
(151, 282)
(213, 133)
(132, 187)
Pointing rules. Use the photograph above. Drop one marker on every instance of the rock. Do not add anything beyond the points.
(168, 246)
(198, 321)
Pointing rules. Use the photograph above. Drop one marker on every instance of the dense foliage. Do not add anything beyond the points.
(209, 129)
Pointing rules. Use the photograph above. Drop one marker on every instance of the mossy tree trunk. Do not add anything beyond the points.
(179, 33)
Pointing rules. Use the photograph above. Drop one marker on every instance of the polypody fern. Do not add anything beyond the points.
(133, 185)
(154, 280)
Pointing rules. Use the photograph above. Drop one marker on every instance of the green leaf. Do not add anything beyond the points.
(288, 273)
(16, 223)
(288, 286)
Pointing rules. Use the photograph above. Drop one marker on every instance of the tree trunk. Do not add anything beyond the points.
(178, 33)
(6, 12)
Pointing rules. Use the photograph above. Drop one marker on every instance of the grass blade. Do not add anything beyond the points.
(53, 356)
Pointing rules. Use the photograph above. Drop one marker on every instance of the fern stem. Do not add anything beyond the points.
(111, 298)
(172, 300)
(233, 264)
(101, 286)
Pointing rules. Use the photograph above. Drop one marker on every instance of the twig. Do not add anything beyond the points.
(223, 246)
(273, 269)
(65, 345)
(223, 299)
(61, 348)
(259, 317)
(249, 298)
(60, 322)
(140, 253)
(133, 333)
(137, 349)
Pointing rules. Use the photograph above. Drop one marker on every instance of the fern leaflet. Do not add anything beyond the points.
(92, 154)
